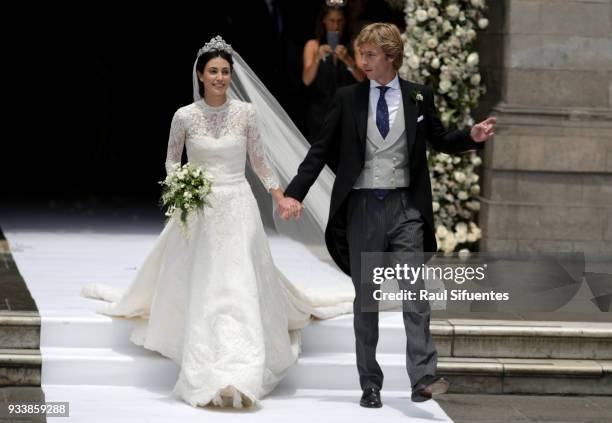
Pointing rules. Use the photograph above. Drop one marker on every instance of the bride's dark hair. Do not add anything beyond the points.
(205, 58)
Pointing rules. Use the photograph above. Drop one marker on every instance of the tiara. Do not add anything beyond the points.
(215, 43)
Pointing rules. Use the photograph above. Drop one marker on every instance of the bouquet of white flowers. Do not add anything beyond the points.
(186, 189)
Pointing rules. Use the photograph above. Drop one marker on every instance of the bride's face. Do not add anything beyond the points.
(216, 77)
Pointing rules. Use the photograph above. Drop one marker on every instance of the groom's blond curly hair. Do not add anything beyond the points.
(387, 37)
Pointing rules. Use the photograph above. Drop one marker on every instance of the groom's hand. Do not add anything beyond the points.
(484, 130)
(289, 208)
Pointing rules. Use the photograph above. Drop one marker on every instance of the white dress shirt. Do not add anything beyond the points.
(393, 97)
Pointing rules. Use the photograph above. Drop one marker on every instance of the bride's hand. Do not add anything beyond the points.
(289, 208)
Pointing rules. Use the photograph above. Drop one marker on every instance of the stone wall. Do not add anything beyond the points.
(547, 179)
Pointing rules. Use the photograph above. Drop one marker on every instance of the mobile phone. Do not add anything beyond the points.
(333, 38)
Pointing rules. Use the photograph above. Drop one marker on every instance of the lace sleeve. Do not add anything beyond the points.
(176, 142)
(257, 153)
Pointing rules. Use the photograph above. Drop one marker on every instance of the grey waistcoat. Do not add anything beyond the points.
(386, 160)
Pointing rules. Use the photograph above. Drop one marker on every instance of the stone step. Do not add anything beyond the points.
(528, 376)
(20, 367)
(19, 330)
(467, 375)
(137, 367)
(476, 338)
(453, 337)
(132, 366)
(20, 359)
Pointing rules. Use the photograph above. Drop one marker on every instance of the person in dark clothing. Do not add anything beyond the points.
(328, 65)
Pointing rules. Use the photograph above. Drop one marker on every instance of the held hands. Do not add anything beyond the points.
(289, 208)
(484, 130)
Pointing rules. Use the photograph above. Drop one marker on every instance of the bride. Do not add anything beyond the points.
(214, 302)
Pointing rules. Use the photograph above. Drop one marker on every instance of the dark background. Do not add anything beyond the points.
(92, 90)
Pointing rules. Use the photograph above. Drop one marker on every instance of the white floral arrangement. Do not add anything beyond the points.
(455, 204)
(185, 190)
(439, 52)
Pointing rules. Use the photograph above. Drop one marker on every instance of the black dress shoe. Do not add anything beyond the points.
(371, 398)
(428, 386)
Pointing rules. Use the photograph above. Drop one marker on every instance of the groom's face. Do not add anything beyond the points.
(375, 63)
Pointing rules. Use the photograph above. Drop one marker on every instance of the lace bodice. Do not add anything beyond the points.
(219, 139)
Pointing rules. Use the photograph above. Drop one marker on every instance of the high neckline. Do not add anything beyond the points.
(207, 107)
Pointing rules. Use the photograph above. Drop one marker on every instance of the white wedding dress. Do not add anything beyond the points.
(214, 302)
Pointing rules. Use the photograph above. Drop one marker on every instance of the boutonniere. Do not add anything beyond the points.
(417, 96)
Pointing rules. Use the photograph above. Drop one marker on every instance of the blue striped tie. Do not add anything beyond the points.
(382, 112)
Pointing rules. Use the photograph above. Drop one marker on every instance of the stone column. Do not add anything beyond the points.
(547, 180)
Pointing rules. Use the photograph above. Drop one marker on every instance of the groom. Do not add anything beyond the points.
(374, 141)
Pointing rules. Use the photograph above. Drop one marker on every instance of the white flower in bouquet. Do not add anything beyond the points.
(464, 252)
(452, 10)
(475, 79)
(461, 227)
(432, 43)
(483, 23)
(445, 85)
(447, 26)
(421, 15)
(454, 42)
(435, 63)
(433, 12)
(473, 59)
(459, 176)
(443, 157)
(436, 206)
(475, 230)
(473, 205)
(461, 237)
(185, 189)
(476, 161)
(449, 243)
(441, 231)
(414, 61)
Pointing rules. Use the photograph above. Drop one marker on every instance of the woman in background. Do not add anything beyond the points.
(328, 67)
